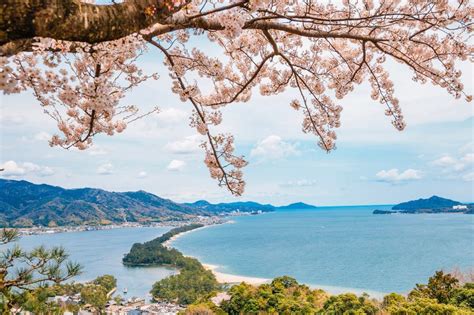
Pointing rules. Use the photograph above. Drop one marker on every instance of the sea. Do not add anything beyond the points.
(339, 249)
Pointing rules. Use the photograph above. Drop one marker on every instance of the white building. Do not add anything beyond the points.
(460, 207)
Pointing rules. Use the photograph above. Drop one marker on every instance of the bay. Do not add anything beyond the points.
(338, 248)
(100, 252)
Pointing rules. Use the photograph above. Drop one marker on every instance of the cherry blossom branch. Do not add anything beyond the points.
(233, 179)
(75, 20)
(322, 50)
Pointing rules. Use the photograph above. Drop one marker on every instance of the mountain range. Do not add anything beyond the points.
(24, 204)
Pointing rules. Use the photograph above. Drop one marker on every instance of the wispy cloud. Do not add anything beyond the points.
(445, 161)
(469, 177)
(11, 119)
(14, 169)
(395, 176)
(188, 145)
(42, 136)
(172, 115)
(459, 165)
(105, 169)
(273, 147)
(300, 183)
(176, 165)
(97, 150)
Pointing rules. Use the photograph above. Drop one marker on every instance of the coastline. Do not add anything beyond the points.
(36, 230)
(221, 277)
(168, 244)
(227, 278)
(78, 228)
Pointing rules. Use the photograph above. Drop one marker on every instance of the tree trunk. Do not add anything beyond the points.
(73, 20)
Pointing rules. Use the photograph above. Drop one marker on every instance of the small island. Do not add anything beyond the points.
(434, 204)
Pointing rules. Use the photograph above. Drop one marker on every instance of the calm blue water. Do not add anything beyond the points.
(339, 247)
(101, 252)
(344, 247)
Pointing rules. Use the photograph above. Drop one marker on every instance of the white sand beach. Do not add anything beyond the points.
(169, 242)
(228, 278)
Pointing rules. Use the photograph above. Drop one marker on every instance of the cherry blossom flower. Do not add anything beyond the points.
(320, 49)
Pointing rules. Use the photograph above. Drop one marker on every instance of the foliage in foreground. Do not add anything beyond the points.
(284, 295)
(29, 280)
(24, 271)
(40, 299)
(193, 283)
(443, 295)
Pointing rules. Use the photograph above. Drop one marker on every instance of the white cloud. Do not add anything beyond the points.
(13, 169)
(395, 176)
(273, 147)
(468, 158)
(300, 183)
(105, 169)
(10, 168)
(176, 165)
(188, 145)
(172, 115)
(457, 167)
(97, 150)
(9, 119)
(469, 177)
(31, 167)
(42, 136)
(467, 148)
(142, 174)
(446, 160)
(45, 171)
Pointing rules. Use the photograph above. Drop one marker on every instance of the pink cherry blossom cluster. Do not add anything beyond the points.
(80, 90)
(232, 20)
(320, 49)
(220, 149)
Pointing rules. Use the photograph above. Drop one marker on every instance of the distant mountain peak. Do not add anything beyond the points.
(297, 205)
(24, 204)
(201, 203)
(434, 202)
(237, 206)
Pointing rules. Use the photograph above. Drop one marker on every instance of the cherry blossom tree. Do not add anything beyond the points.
(79, 59)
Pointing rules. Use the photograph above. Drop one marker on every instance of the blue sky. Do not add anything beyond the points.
(373, 164)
